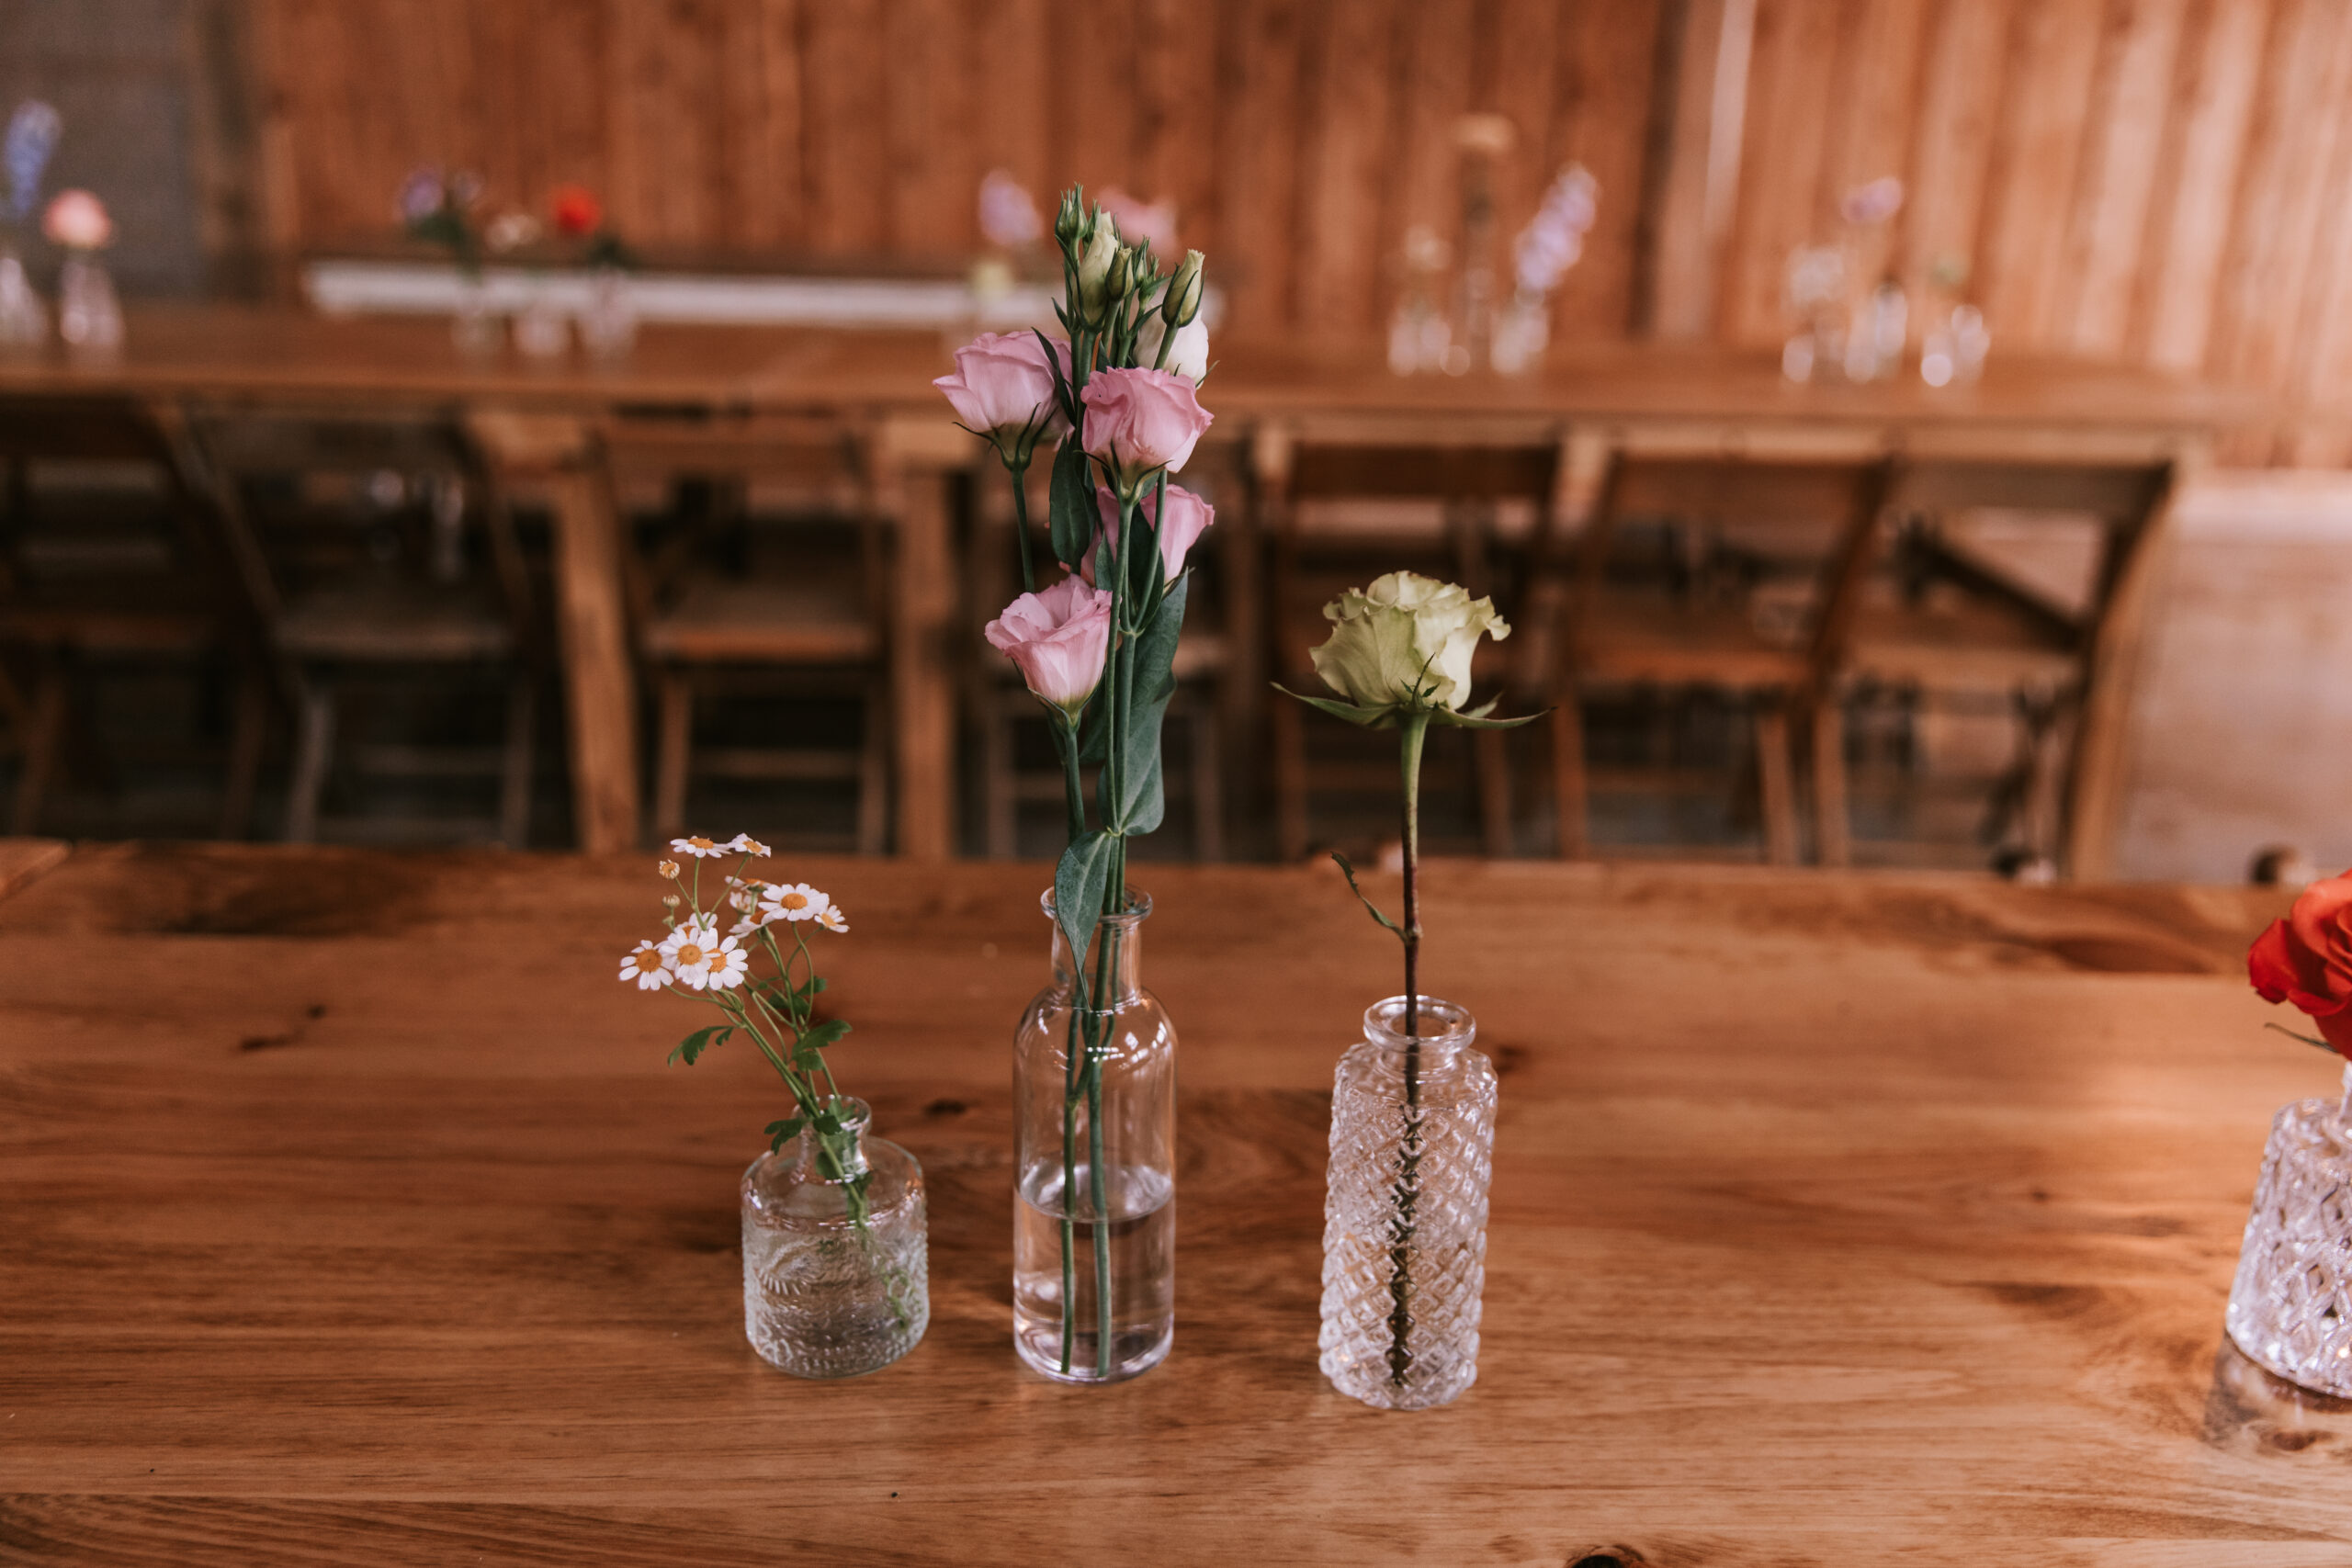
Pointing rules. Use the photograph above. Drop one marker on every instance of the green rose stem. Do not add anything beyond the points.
(1019, 469)
(1412, 728)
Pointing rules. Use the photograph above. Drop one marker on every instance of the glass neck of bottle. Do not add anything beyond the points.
(1112, 960)
(836, 1156)
(1439, 1034)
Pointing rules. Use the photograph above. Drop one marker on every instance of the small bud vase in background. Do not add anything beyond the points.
(608, 322)
(542, 329)
(1405, 1214)
(90, 317)
(1094, 1219)
(473, 325)
(825, 1296)
(24, 319)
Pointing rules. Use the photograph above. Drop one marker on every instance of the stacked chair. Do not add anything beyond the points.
(386, 572)
(1951, 625)
(762, 568)
(111, 562)
(1699, 571)
(1345, 503)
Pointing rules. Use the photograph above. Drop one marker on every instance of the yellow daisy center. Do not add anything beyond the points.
(794, 900)
(647, 961)
(702, 843)
(689, 955)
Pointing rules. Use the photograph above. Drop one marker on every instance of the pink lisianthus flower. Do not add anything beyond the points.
(78, 221)
(1139, 422)
(1058, 639)
(1187, 518)
(1004, 389)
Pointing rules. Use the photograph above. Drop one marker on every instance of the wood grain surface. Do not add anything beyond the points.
(348, 1215)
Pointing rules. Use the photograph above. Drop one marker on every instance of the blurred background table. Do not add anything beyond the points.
(351, 1216)
(538, 427)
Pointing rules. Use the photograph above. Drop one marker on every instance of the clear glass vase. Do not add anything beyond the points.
(608, 321)
(474, 327)
(1405, 1214)
(2291, 1309)
(1095, 1224)
(836, 1269)
(542, 328)
(24, 318)
(89, 314)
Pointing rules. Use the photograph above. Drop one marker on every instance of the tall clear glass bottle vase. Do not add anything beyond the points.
(1405, 1214)
(1094, 1226)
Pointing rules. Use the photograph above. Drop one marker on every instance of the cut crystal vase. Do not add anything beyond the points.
(836, 1275)
(1404, 1216)
(1095, 1222)
(2291, 1310)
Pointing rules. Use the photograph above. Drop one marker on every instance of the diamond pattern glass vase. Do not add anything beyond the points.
(1405, 1215)
(2291, 1310)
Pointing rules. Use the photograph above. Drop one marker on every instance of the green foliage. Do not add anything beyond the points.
(782, 1132)
(701, 1039)
(1349, 870)
(1072, 511)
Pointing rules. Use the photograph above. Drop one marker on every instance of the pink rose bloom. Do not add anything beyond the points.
(1188, 518)
(1002, 384)
(1141, 421)
(1058, 637)
(78, 221)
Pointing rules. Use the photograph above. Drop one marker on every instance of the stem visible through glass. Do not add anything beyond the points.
(1414, 729)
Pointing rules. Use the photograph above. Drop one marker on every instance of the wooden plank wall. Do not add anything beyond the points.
(2159, 181)
(1298, 138)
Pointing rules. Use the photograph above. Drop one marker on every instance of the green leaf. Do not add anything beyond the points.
(1349, 872)
(1079, 881)
(1075, 518)
(782, 1132)
(2306, 1039)
(820, 1035)
(701, 1039)
(1155, 683)
(1371, 719)
(1473, 721)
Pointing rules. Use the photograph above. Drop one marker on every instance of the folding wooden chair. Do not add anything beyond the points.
(383, 554)
(769, 568)
(1960, 626)
(90, 585)
(1701, 617)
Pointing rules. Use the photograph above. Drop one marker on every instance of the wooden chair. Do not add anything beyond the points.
(1205, 665)
(2063, 667)
(1341, 506)
(123, 586)
(1798, 520)
(815, 614)
(380, 551)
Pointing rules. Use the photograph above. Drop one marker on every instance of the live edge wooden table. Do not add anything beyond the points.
(348, 1215)
(531, 421)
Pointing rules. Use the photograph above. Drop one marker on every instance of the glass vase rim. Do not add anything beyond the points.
(1382, 1023)
(1138, 910)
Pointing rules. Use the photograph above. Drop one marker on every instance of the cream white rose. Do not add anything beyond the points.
(1406, 642)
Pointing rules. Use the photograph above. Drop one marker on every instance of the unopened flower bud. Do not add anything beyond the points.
(1069, 223)
(668, 900)
(670, 869)
(1096, 269)
(1182, 301)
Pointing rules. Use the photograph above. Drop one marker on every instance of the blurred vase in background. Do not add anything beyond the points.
(24, 319)
(542, 327)
(89, 314)
(608, 321)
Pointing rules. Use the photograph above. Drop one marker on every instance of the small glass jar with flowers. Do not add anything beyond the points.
(835, 1266)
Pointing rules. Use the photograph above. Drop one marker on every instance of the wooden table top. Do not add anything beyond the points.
(349, 1214)
(280, 351)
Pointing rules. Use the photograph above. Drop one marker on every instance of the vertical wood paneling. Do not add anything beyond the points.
(1608, 49)
(1263, 45)
(2189, 224)
(1959, 95)
(767, 201)
(845, 82)
(1348, 156)
(1778, 200)
(1873, 106)
(2129, 113)
(2053, 52)
(666, 146)
(1176, 112)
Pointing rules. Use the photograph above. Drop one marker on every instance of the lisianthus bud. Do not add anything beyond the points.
(1182, 300)
(1069, 223)
(1187, 357)
(1095, 268)
(1405, 642)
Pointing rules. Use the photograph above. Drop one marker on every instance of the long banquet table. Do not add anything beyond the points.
(349, 1214)
(533, 420)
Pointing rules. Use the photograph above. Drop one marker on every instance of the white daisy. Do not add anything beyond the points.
(645, 965)
(688, 950)
(832, 919)
(743, 844)
(701, 849)
(668, 868)
(792, 901)
(728, 963)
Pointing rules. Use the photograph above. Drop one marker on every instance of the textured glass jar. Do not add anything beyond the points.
(822, 1297)
(1094, 1279)
(2291, 1310)
(1405, 1213)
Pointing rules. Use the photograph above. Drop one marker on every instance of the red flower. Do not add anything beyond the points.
(576, 210)
(2306, 959)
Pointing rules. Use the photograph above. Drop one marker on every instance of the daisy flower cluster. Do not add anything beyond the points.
(772, 1003)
